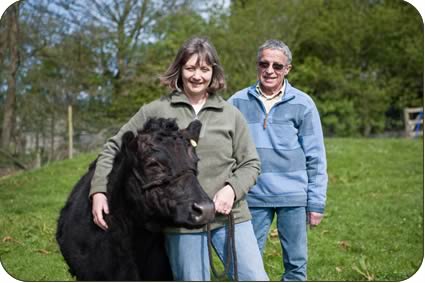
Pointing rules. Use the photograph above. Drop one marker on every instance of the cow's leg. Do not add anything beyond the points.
(158, 268)
(152, 258)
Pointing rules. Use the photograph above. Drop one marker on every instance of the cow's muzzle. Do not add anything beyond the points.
(204, 212)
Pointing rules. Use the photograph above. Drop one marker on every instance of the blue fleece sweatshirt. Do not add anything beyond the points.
(289, 141)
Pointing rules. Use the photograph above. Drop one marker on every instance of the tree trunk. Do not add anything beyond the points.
(10, 103)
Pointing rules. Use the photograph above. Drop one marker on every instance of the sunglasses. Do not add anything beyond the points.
(275, 66)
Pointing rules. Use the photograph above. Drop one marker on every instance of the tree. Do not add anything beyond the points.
(59, 67)
(153, 58)
(12, 53)
(125, 24)
(363, 41)
(361, 61)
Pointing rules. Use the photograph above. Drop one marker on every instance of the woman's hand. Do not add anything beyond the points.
(223, 200)
(100, 206)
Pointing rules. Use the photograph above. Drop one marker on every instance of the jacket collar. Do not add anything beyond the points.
(288, 95)
(213, 100)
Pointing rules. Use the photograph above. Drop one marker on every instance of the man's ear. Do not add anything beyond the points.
(193, 131)
(288, 69)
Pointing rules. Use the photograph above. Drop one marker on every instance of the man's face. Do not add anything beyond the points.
(271, 70)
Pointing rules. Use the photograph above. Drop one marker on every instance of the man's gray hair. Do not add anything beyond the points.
(276, 45)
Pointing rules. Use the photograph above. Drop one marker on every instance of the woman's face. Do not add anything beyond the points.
(196, 77)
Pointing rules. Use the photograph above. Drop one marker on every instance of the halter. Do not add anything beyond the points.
(162, 181)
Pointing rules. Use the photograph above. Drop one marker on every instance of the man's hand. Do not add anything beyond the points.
(100, 206)
(223, 200)
(314, 218)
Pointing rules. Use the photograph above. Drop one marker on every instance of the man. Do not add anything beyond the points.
(285, 125)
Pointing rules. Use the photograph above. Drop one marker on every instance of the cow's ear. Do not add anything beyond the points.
(129, 143)
(193, 130)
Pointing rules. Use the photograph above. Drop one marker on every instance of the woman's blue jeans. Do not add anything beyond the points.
(188, 254)
(292, 230)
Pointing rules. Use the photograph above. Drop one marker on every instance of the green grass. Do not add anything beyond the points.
(373, 225)
(29, 207)
(372, 230)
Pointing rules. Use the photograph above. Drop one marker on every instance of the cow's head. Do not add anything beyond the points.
(162, 185)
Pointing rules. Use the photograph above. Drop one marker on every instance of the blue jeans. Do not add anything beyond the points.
(292, 230)
(188, 254)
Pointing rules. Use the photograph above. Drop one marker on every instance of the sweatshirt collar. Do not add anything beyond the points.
(288, 94)
(213, 100)
(279, 94)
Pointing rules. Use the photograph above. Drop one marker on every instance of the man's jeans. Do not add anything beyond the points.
(188, 254)
(292, 230)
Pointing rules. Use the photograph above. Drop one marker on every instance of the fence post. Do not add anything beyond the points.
(70, 133)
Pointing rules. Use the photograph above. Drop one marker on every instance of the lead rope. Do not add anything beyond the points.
(231, 248)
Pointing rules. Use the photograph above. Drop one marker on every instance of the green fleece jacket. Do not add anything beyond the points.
(226, 151)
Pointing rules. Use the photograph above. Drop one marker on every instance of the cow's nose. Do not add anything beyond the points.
(204, 212)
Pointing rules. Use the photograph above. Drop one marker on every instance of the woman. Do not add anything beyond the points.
(228, 164)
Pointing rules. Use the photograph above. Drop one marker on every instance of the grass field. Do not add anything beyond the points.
(372, 230)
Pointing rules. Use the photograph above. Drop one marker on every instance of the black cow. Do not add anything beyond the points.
(153, 184)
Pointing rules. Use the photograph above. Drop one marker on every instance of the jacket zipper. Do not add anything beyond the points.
(267, 114)
(265, 121)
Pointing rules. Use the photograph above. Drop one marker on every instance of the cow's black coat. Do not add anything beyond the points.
(152, 184)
